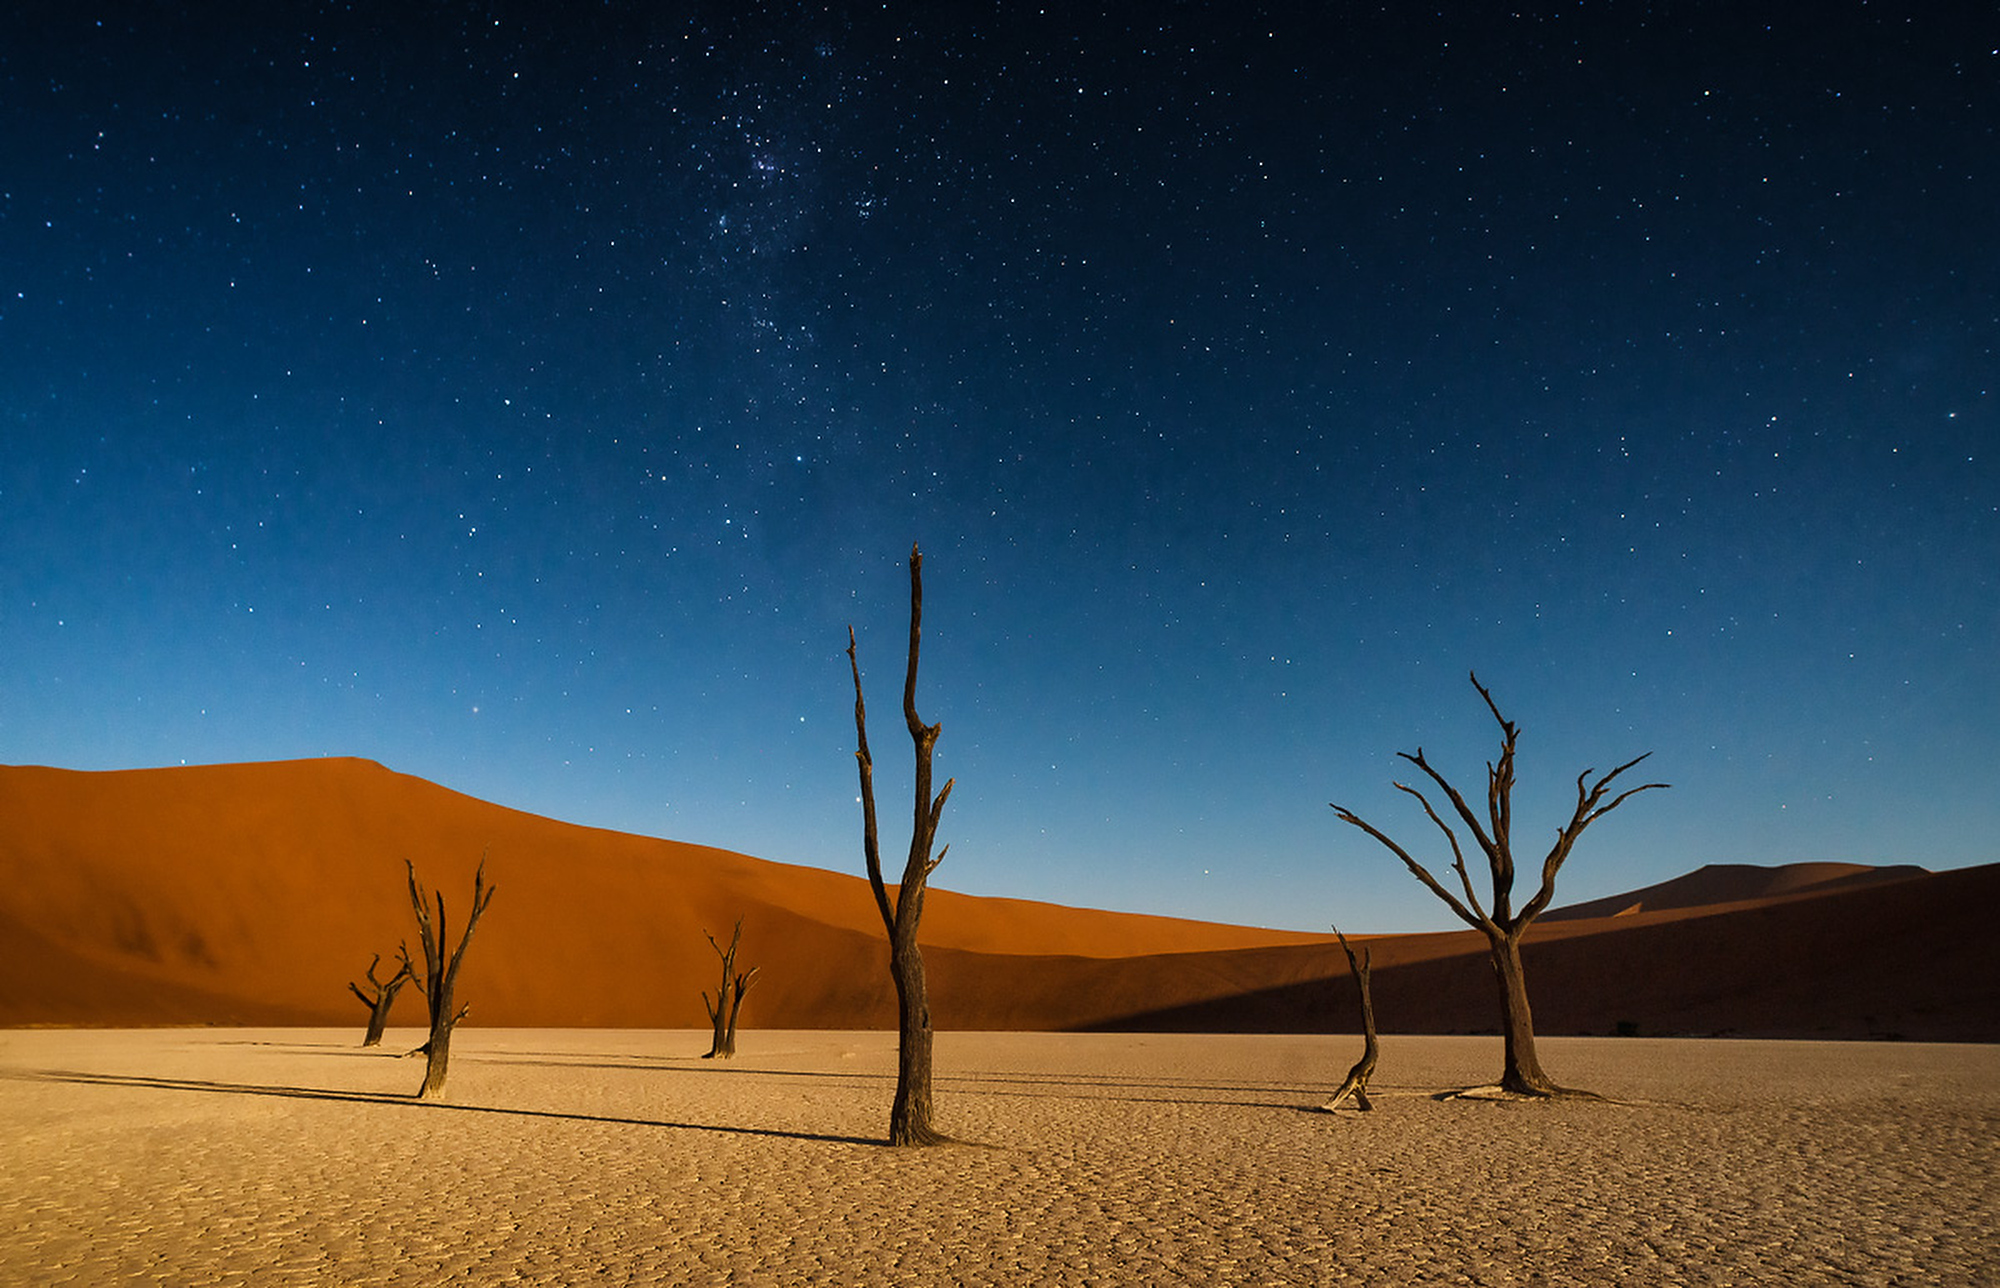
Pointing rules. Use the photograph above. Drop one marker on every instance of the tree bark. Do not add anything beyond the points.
(910, 1121)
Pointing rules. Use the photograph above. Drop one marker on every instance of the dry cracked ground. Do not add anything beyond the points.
(233, 1157)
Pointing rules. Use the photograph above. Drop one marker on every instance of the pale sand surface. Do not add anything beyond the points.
(291, 1156)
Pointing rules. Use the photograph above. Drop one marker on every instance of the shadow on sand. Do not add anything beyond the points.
(411, 1102)
(1051, 1086)
(1011, 1085)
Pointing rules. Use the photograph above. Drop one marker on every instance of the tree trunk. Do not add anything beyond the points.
(1356, 1082)
(437, 1061)
(723, 1016)
(378, 1019)
(910, 1116)
(741, 987)
(718, 1019)
(1523, 1072)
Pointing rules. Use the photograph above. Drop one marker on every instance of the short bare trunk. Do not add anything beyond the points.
(1356, 1082)
(910, 1116)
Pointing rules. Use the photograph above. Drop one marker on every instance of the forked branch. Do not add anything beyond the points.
(1417, 869)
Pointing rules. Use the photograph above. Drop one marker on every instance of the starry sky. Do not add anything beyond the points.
(528, 397)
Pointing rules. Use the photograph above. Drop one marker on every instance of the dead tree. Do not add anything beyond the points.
(1502, 924)
(728, 1003)
(1356, 1084)
(910, 1118)
(385, 996)
(441, 976)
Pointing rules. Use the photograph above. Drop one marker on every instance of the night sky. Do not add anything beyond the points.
(529, 398)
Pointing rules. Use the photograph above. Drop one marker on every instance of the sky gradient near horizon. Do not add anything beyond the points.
(531, 402)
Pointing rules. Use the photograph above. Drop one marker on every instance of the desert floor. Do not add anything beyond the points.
(196, 1157)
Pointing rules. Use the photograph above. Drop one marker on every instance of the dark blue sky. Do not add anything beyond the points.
(529, 399)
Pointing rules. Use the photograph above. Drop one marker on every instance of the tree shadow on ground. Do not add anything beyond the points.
(1051, 1086)
(1079, 1086)
(412, 1102)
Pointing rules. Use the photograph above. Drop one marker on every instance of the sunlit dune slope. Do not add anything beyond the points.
(241, 894)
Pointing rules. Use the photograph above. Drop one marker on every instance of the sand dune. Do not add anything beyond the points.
(250, 894)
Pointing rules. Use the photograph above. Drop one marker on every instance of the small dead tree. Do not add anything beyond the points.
(384, 996)
(1502, 924)
(728, 1003)
(910, 1118)
(441, 975)
(1356, 1084)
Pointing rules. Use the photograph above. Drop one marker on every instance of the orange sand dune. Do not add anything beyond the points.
(250, 894)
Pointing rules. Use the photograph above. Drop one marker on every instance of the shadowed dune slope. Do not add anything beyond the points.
(1718, 884)
(251, 894)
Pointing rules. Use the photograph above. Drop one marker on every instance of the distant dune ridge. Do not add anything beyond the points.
(251, 894)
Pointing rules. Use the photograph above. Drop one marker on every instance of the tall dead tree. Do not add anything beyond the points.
(1356, 1083)
(910, 1118)
(441, 975)
(384, 996)
(728, 1003)
(1501, 923)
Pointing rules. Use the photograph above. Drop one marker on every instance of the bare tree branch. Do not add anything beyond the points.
(1457, 854)
(1587, 812)
(1416, 869)
(870, 844)
(370, 977)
